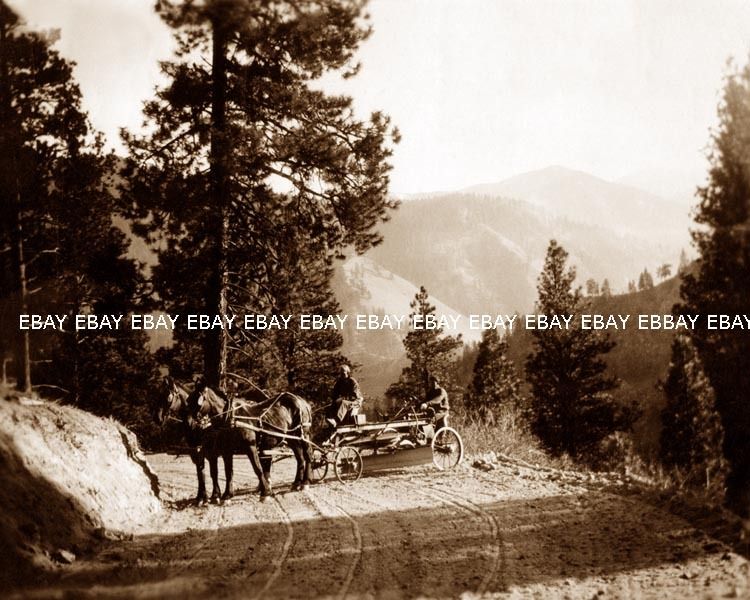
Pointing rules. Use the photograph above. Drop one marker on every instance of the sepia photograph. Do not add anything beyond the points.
(375, 299)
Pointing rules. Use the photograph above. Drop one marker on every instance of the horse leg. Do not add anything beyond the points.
(307, 456)
(200, 465)
(228, 472)
(265, 463)
(213, 465)
(298, 478)
(265, 487)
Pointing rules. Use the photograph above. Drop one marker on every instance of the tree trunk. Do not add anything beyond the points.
(18, 260)
(23, 345)
(215, 349)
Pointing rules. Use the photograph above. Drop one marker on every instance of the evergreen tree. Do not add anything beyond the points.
(301, 284)
(239, 112)
(592, 287)
(645, 280)
(494, 383)
(57, 218)
(692, 435)
(721, 284)
(606, 289)
(572, 408)
(429, 351)
(684, 262)
(631, 287)
(664, 271)
(42, 124)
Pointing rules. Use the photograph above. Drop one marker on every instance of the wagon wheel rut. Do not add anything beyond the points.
(311, 535)
(278, 561)
(356, 550)
(408, 532)
(412, 533)
(489, 529)
(389, 562)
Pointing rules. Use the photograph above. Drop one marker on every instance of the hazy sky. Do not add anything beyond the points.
(481, 89)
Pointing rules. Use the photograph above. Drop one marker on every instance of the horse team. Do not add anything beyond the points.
(216, 427)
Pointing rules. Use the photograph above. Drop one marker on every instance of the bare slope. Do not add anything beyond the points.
(66, 476)
(483, 254)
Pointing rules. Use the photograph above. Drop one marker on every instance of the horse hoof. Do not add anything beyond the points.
(304, 487)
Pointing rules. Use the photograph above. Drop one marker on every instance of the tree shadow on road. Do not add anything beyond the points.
(436, 551)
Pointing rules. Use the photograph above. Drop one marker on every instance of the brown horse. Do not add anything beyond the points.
(173, 405)
(241, 427)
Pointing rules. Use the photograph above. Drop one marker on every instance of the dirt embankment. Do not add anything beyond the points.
(67, 478)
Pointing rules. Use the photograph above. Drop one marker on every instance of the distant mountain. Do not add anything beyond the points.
(481, 250)
(583, 198)
(678, 185)
(484, 254)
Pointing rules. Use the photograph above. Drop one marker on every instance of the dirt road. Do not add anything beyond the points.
(417, 533)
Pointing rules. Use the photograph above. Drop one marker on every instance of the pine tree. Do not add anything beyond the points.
(301, 284)
(239, 112)
(429, 351)
(664, 271)
(721, 284)
(57, 217)
(692, 434)
(592, 287)
(684, 262)
(631, 287)
(645, 280)
(572, 408)
(41, 124)
(495, 384)
(606, 289)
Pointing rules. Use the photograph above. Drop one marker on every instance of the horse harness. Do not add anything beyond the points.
(257, 424)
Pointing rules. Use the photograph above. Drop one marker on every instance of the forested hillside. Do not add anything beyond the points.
(640, 357)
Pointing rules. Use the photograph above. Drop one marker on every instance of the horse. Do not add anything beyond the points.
(173, 405)
(241, 427)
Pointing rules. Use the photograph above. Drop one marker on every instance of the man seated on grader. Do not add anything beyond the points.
(346, 402)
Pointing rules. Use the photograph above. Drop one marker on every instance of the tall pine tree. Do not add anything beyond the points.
(494, 384)
(238, 115)
(721, 284)
(430, 352)
(64, 254)
(572, 408)
(692, 434)
(42, 125)
(299, 282)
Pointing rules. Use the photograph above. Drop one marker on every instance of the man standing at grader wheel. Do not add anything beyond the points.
(436, 400)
